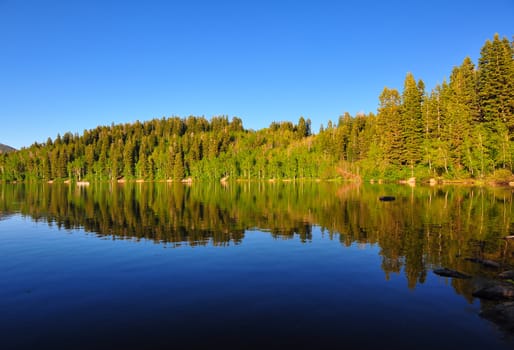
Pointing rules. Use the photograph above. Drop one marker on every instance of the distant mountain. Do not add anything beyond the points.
(6, 149)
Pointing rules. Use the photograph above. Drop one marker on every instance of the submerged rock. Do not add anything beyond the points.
(501, 314)
(484, 262)
(495, 292)
(450, 273)
(507, 275)
(387, 198)
(490, 263)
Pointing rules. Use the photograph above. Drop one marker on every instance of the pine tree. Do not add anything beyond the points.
(302, 129)
(435, 141)
(411, 120)
(178, 166)
(116, 159)
(46, 172)
(496, 82)
(462, 112)
(89, 158)
(62, 161)
(101, 166)
(389, 127)
(128, 158)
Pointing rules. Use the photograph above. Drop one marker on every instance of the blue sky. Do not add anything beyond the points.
(73, 65)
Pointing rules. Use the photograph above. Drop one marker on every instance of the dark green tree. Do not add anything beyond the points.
(389, 129)
(496, 82)
(178, 166)
(412, 122)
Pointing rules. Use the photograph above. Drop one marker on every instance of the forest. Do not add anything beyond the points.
(460, 129)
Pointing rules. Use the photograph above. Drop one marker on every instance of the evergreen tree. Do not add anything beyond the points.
(116, 159)
(89, 159)
(128, 158)
(411, 120)
(435, 141)
(389, 130)
(46, 171)
(178, 166)
(303, 128)
(462, 112)
(496, 82)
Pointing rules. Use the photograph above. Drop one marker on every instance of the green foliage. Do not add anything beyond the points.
(502, 175)
(411, 121)
(496, 82)
(389, 129)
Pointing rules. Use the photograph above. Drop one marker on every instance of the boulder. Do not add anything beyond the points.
(450, 273)
(495, 292)
(501, 314)
(508, 275)
(490, 263)
(484, 262)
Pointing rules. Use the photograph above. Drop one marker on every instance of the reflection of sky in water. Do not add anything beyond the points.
(68, 289)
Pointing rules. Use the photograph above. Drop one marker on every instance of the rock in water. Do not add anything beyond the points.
(490, 263)
(450, 273)
(484, 262)
(508, 275)
(495, 292)
(502, 314)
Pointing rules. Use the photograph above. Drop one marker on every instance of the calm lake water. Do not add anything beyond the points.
(251, 265)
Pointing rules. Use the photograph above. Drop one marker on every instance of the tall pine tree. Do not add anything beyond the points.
(496, 82)
(412, 121)
(462, 112)
(389, 127)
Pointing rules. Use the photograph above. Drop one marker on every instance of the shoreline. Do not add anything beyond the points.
(189, 181)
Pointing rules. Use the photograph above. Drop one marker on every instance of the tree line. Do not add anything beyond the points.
(462, 128)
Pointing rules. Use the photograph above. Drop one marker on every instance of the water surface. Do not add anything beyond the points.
(251, 265)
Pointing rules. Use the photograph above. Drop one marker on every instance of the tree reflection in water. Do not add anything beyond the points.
(425, 227)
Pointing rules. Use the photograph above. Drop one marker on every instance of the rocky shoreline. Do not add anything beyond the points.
(496, 294)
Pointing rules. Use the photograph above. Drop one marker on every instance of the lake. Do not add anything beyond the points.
(249, 266)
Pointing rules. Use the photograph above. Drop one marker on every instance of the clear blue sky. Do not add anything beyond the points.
(73, 65)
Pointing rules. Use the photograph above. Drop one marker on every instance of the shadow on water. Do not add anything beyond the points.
(422, 229)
